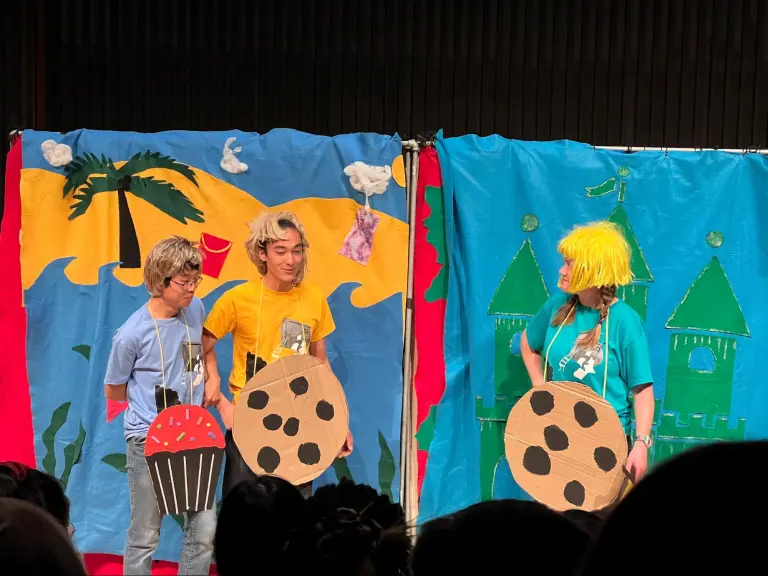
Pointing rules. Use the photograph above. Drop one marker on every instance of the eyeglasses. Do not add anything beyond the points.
(71, 530)
(189, 283)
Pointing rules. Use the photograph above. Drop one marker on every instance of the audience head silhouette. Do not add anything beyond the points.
(32, 542)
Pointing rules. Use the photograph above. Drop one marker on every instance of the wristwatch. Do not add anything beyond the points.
(645, 440)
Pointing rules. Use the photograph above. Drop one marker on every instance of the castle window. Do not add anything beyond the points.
(702, 360)
(514, 343)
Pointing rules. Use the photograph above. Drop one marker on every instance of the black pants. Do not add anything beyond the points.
(236, 470)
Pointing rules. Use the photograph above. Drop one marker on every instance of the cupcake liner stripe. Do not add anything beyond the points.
(160, 483)
(173, 486)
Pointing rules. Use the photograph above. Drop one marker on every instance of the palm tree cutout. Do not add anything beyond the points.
(87, 175)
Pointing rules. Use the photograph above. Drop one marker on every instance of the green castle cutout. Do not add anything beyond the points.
(519, 296)
(710, 305)
(701, 394)
(640, 269)
(522, 290)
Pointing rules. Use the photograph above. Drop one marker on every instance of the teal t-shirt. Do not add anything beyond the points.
(629, 363)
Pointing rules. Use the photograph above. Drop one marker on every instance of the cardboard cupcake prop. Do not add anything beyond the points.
(184, 452)
(291, 419)
(566, 447)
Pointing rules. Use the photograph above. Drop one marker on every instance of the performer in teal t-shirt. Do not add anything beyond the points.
(567, 337)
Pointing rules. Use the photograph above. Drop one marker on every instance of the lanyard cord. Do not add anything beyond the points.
(162, 356)
(605, 354)
(303, 349)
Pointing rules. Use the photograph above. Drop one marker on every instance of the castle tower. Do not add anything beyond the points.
(636, 294)
(518, 297)
(701, 363)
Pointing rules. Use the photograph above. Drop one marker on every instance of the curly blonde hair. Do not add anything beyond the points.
(174, 255)
(270, 227)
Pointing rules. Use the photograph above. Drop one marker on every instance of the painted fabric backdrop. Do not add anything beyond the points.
(93, 204)
(700, 261)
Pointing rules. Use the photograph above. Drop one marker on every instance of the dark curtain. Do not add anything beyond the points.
(676, 73)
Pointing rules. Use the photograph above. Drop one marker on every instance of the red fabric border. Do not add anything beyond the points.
(429, 317)
(16, 428)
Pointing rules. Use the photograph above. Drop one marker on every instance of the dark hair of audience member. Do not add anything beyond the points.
(696, 514)
(253, 525)
(589, 522)
(32, 542)
(349, 529)
(24, 483)
(499, 536)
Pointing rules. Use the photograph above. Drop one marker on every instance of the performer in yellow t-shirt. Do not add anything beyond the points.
(273, 316)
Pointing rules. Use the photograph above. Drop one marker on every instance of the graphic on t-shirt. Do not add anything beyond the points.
(194, 363)
(165, 398)
(291, 335)
(586, 358)
(252, 365)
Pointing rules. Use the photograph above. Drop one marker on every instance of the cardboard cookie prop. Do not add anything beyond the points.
(184, 452)
(566, 447)
(291, 419)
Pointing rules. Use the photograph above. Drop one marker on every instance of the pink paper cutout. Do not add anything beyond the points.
(359, 242)
(114, 407)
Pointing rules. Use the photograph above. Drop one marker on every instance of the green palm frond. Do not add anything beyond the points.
(166, 197)
(83, 196)
(148, 160)
(83, 167)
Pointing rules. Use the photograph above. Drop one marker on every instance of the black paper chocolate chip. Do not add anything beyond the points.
(309, 453)
(585, 414)
(268, 459)
(324, 411)
(574, 493)
(542, 402)
(536, 461)
(291, 427)
(273, 422)
(555, 438)
(299, 386)
(258, 400)
(605, 458)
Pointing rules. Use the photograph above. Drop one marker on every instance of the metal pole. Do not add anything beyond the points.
(631, 149)
(407, 495)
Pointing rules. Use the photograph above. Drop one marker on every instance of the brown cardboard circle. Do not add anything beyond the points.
(566, 447)
(291, 419)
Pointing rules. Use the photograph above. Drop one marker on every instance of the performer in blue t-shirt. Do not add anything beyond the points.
(157, 362)
(567, 337)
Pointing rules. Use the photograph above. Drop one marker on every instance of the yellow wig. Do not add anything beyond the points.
(599, 256)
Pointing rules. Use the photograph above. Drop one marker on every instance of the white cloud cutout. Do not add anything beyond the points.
(56, 154)
(368, 179)
(229, 161)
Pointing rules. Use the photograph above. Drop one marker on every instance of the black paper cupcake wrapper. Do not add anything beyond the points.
(185, 481)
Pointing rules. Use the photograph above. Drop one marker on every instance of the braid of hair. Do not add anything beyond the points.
(591, 338)
(562, 315)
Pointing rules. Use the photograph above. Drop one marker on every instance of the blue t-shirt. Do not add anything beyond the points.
(629, 363)
(135, 361)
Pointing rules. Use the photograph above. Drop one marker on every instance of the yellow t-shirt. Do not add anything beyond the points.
(275, 319)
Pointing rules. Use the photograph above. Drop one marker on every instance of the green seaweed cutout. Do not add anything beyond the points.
(341, 468)
(84, 350)
(386, 468)
(118, 461)
(73, 453)
(58, 418)
(179, 519)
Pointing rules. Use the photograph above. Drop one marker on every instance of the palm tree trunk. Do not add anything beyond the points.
(130, 254)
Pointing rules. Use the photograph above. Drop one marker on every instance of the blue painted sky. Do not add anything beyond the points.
(283, 165)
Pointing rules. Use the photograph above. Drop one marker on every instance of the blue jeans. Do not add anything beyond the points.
(144, 530)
